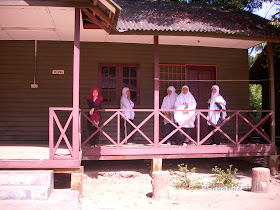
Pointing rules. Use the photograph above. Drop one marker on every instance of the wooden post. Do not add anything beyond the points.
(156, 91)
(77, 182)
(273, 164)
(160, 184)
(271, 89)
(156, 164)
(260, 179)
(76, 81)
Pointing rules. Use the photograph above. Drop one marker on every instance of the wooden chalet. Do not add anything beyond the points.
(54, 52)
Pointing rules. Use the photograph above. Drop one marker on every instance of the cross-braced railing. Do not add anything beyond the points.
(55, 143)
(234, 114)
(236, 129)
(117, 113)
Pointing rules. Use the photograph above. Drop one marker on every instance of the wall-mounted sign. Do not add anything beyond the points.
(58, 71)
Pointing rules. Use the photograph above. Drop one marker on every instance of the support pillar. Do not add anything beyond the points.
(76, 86)
(273, 164)
(271, 89)
(156, 91)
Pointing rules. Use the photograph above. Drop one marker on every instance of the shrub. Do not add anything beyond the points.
(224, 178)
(184, 180)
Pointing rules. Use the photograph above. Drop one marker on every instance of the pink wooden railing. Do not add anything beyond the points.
(54, 145)
(234, 116)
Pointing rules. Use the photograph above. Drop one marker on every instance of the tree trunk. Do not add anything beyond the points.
(260, 180)
(160, 184)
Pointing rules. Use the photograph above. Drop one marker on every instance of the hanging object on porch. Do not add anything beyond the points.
(34, 85)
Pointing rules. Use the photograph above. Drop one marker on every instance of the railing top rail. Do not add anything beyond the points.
(172, 110)
(61, 108)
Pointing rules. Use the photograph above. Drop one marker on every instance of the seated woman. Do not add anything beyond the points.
(216, 102)
(169, 103)
(94, 102)
(185, 102)
(126, 103)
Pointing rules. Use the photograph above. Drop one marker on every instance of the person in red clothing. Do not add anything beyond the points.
(94, 102)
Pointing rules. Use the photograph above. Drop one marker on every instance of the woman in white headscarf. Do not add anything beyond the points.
(169, 103)
(216, 102)
(185, 102)
(126, 103)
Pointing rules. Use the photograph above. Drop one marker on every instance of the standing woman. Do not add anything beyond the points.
(216, 102)
(94, 102)
(169, 103)
(185, 101)
(126, 103)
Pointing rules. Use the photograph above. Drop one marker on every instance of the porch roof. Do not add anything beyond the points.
(139, 21)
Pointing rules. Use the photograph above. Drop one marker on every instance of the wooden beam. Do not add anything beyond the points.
(101, 14)
(95, 20)
(76, 86)
(39, 164)
(179, 156)
(47, 3)
(156, 91)
(178, 150)
(271, 89)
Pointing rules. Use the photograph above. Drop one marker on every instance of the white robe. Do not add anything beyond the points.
(181, 102)
(127, 104)
(169, 102)
(214, 116)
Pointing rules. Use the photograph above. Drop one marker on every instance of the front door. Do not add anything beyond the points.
(198, 81)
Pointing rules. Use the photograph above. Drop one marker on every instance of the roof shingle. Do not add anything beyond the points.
(182, 17)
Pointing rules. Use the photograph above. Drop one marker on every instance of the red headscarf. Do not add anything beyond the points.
(96, 114)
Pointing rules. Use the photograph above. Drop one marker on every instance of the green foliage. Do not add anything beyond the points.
(256, 99)
(184, 179)
(255, 96)
(224, 178)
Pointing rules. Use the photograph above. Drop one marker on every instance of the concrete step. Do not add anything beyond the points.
(26, 184)
(26, 177)
(59, 199)
(28, 192)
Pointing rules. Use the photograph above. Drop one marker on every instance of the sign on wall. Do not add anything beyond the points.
(57, 71)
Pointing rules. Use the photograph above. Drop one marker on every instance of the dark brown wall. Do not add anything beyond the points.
(24, 111)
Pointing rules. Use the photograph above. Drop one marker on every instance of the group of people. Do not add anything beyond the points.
(184, 106)
(180, 109)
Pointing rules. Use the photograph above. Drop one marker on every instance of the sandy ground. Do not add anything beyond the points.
(127, 185)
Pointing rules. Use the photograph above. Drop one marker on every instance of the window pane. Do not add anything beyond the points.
(105, 95)
(133, 95)
(104, 71)
(126, 83)
(112, 71)
(133, 84)
(112, 84)
(133, 72)
(125, 71)
(112, 96)
(104, 84)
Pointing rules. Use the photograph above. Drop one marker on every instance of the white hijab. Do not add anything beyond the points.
(126, 104)
(181, 102)
(214, 116)
(169, 100)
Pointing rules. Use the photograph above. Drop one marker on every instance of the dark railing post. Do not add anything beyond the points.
(76, 81)
(271, 89)
(156, 91)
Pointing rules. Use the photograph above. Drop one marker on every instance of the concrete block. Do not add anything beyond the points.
(26, 177)
(32, 192)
